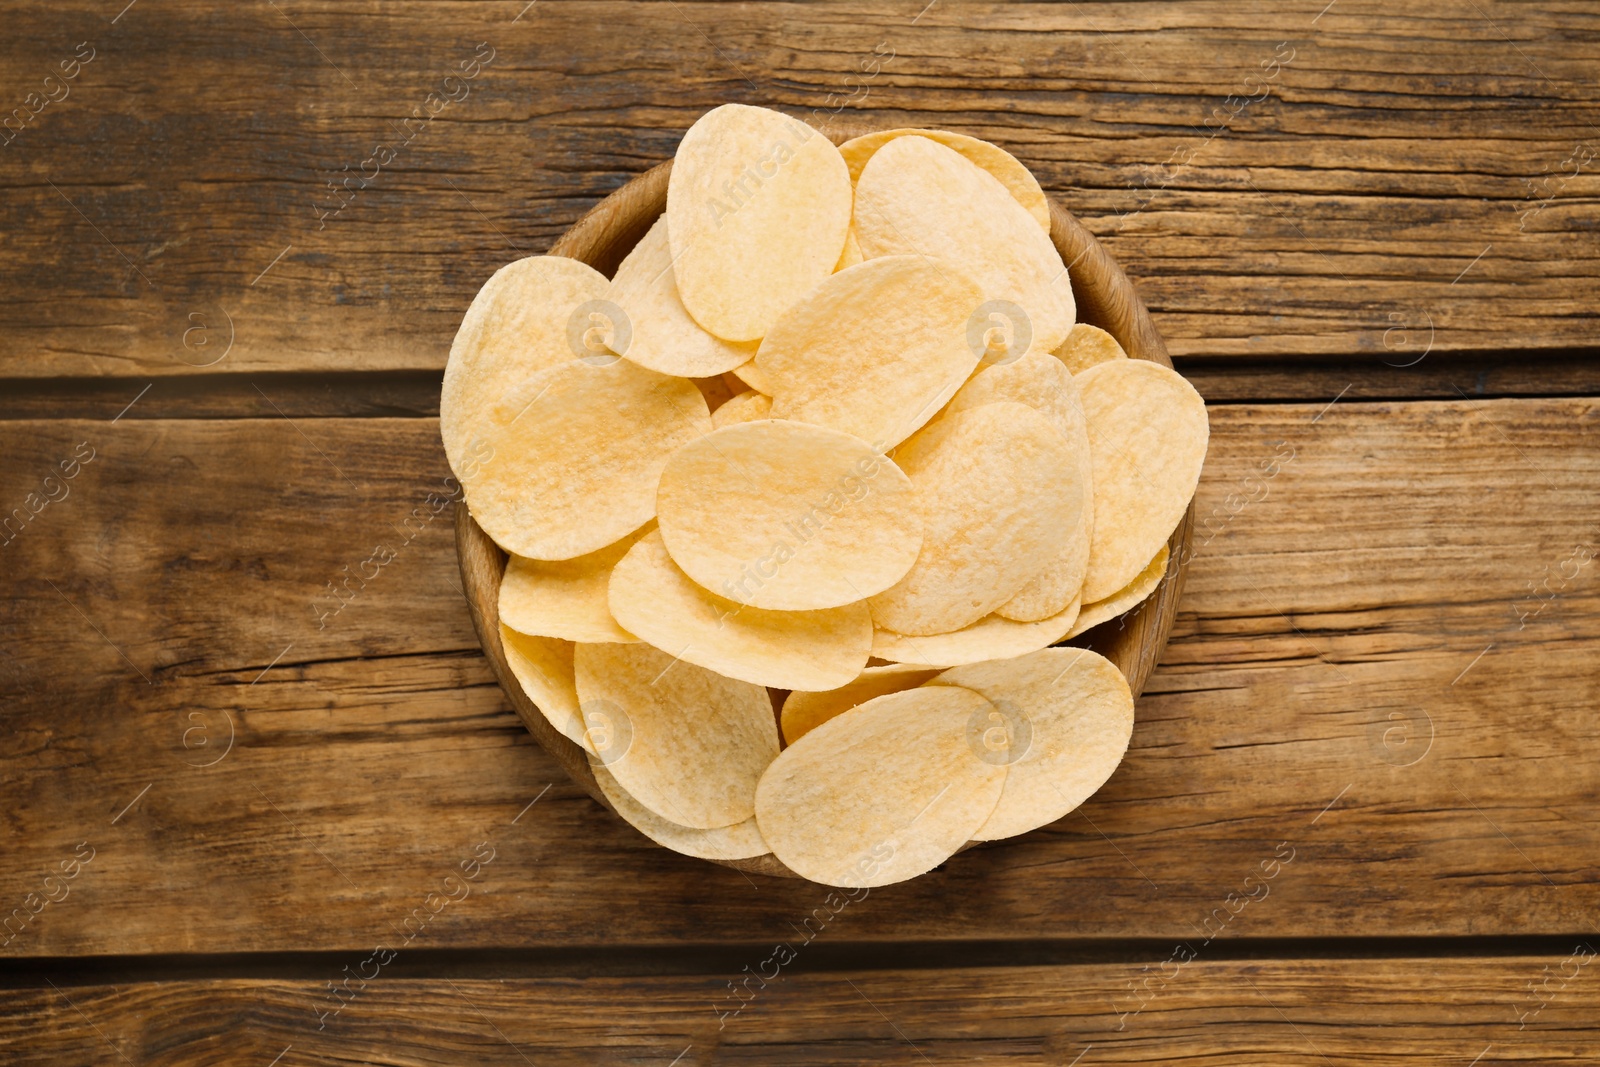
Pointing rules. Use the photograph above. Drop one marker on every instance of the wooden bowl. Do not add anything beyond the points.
(1105, 298)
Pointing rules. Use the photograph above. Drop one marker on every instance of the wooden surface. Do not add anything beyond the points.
(1390, 151)
(1380, 687)
(1211, 1014)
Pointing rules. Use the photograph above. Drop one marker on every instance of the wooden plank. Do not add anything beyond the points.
(1387, 1012)
(1363, 181)
(1382, 666)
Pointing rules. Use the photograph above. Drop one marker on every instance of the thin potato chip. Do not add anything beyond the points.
(688, 744)
(882, 793)
(757, 209)
(737, 842)
(751, 376)
(804, 712)
(748, 406)
(875, 350)
(564, 598)
(918, 197)
(1124, 599)
(543, 667)
(1062, 721)
(576, 453)
(1086, 346)
(991, 637)
(1040, 381)
(662, 335)
(786, 515)
(517, 325)
(851, 254)
(990, 483)
(1147, 434)
(782, 649)
(1005, 167)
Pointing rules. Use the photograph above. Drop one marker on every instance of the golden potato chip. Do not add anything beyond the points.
(882, 793)
(543, 667)
(1004, 166)
(517, 325)
(1087, 346)
(564, 598)
(686, 743)
(748, 406)
(661, 334)
(787, 515)
(994, 484)
(782, 649)
(1034, 378)
(757, 208)
(577, 450)
(805, 711)
(851, 254)
(737, 842)
(991, 637)
(1147, 434)
(1061, 723)
(875, 350)
(1124, 599)
(918, 197)
(1044, 384)
(752, 377)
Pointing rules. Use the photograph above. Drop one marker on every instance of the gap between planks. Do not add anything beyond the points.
(415, 393)
(720, 958)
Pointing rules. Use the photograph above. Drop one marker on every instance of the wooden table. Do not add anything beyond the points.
(245, 766)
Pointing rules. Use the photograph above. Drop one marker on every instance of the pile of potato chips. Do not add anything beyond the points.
(798, 501)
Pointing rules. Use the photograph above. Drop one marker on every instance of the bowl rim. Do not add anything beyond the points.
(1105, 297)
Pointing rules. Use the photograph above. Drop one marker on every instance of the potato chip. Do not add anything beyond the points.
(851, 254)
(661, 334)
(918, 197)
(783, 649)
(1147, 434)
(1124, 599)
(990, 483)
(737, 842)
(564, 598)
(686, 743)
(1087, 346)
(748, 406)
(884, 792)
(787, 515)
(516, 326)
(758, 204)
(805, 711)
(1005, 167)
(576, 451)
(543, 667)
(751, 376)
(991, 637)
(1061, 723)
(875, 350)
(1040, 381)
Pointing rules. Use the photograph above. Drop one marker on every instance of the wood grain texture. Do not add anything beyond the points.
(1383, 659)
(1363, 181)
(1105, 298)
(1209, 1014)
